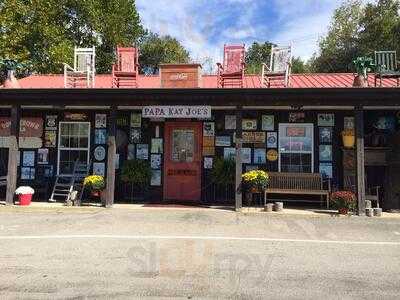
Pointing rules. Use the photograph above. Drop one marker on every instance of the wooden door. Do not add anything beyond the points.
(182, 161)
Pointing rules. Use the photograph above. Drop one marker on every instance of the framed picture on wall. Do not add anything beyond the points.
(326, 120)
(155, 178)
(100, 121)
(325, 152)
(99, 153)
(272, 139)
(157, 145)
(246, 155)
(267, 123)
(155, 161)
(136, 120)
(259, 156)
(100, 136)
(229, 153)
(142, 151)
(208, 129)
(208, 162)
(43, 156)
(27, 173)
(28, 158)
(249, 124)
(222, 141)
(348, 122)
(99, 168)
(325, 135)
(50, 139)
(326, 170)
(135, 135)
(230, 122)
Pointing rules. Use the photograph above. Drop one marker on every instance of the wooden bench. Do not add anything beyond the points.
(298, 184)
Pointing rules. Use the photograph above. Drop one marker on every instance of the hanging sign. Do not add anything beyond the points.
(163, 111)
(75, 116)
(253, 137)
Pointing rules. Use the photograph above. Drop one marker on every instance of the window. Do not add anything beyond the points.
(182, 145)
(73, 144)
(296, 148)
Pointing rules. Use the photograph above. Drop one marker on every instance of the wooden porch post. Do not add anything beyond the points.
(360, 159)
(238, 176)
(13, 155)
(111, 154)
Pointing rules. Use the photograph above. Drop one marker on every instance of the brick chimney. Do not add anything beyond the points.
(180, 76)
(11, 82)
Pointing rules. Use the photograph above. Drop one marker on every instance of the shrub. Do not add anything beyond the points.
(136, 172)
(344, 199)
(223, 172)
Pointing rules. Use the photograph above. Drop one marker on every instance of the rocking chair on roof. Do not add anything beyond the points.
(387, 66)
(231, 73)
(279, 68)
(125, 72)
(83, 73)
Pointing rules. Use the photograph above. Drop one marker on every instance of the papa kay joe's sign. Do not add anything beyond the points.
(29, 127)
(164, 111)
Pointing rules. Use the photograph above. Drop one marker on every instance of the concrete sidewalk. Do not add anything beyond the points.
(96, 207)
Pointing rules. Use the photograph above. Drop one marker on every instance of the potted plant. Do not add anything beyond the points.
(348, 138)
(363, 65)
(223, 173)
(137, 173)
(95, 184)
(255, 181)
(24, 195)
(344, 201)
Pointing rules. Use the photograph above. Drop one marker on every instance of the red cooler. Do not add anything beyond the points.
(25, 199)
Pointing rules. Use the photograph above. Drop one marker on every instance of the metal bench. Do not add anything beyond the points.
(298, 184)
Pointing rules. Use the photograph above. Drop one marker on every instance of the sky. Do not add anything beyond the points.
(204, 26)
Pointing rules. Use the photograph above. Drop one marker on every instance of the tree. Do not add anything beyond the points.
(43, 33)
(358, 30)
(381, 27)
(341, 44)
(156, 50)
(256, 55)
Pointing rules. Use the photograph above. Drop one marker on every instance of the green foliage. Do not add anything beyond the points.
(223, 172)
(256, 55)
(137, 172)
(363, 65)
(255, 179)
(358, 30)
(43, 33)
(94, 182)
(156, 50)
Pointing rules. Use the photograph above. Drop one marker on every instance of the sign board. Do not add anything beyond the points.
(253, 137)
(29, 127)
(164, 111)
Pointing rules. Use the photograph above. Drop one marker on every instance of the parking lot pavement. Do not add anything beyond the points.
(196, 253)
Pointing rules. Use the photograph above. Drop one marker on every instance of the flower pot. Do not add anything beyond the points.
(343, 211)
(25, 199)
(348, 141)
(360, 81)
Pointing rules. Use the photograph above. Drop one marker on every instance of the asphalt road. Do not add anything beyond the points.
(163, 253)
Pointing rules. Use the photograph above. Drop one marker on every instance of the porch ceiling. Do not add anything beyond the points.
(294, 97)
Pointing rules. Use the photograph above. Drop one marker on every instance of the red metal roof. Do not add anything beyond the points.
(314, 80)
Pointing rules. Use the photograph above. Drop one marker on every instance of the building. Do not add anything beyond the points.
(181, 121)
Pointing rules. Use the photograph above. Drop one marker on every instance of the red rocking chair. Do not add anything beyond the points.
(231, 73)
(125, 71)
